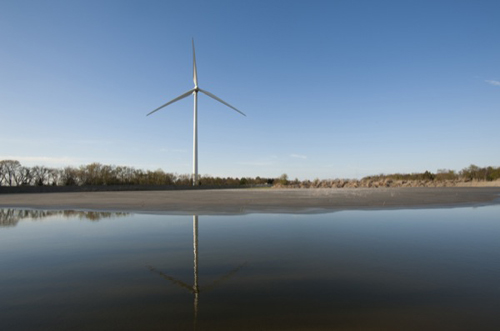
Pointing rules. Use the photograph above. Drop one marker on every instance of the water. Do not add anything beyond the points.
(354, 270)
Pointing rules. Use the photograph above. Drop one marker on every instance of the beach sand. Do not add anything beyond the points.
(236, 201)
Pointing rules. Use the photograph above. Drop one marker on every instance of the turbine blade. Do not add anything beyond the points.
(172, 279)
(172, 101)
(195, 73)
(221, 101)
(223, 278)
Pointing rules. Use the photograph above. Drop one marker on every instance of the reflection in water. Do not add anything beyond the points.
(360, 270)
(10, 217)
(195, 289)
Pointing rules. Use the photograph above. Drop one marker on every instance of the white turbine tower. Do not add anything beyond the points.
(195, 91)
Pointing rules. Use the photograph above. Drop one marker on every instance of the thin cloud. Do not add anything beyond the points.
(493, 82)
(94, 142)
(257, 164)
(172, 150)
(44, 160)
(264, 161)
(298, 156)
(40, 141)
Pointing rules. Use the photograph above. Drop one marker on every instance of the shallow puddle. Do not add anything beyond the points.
(353, 270)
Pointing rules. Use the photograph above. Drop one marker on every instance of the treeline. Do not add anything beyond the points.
(12, 173)
(472, 172)
(443, 177)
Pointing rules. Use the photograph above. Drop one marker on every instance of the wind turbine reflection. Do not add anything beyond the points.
(195, 289)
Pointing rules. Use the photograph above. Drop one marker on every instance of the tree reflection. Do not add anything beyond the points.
(195, 289)
(10, 217)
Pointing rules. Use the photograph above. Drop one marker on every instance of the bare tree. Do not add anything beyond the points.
(53, 176)
(25, 176)
(40, 175)
(9, 172)
(68, 176)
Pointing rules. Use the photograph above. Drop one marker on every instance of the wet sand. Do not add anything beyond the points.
(236, 201)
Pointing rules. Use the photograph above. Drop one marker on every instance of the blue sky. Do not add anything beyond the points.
(330, 88)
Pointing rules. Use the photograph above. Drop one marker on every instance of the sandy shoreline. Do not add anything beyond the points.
(236, 201)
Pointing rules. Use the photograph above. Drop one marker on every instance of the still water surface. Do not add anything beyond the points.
(355, 270)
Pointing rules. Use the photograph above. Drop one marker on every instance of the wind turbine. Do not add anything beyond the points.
(195, 91)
